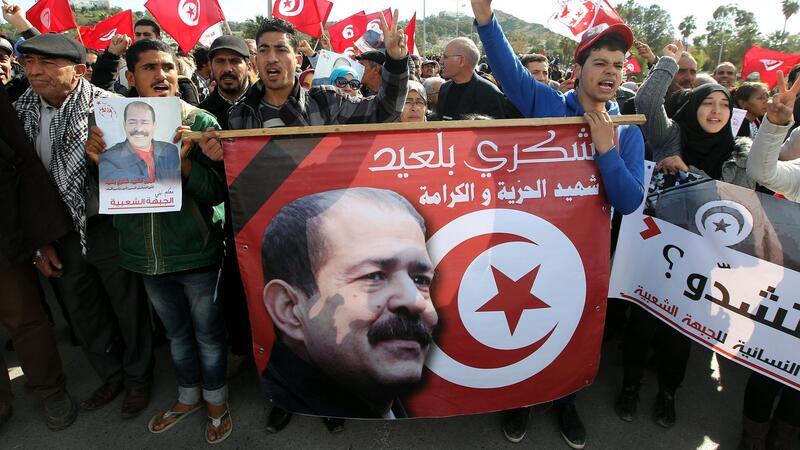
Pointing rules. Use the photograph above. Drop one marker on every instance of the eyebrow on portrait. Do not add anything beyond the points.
(389, 264)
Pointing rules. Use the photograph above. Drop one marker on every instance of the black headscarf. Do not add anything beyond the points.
(702, 149)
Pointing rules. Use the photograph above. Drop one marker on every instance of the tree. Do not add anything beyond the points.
(789, 8)
(250, 26)
(729, 34)
(652, 24)
(687, 27)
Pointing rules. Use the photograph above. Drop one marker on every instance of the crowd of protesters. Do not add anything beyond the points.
(125, 283)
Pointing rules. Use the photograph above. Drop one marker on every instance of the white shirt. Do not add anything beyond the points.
(44, 146)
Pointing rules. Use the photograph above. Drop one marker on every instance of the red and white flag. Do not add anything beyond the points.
(185, 20)
(308, 16)
(374, 20)
(51, 16)
(409, 32)
(632, 66)
(573, 17)
(767, 63)
(99, 35)
(344, 33)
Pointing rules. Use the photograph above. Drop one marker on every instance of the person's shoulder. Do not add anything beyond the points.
(196, 118)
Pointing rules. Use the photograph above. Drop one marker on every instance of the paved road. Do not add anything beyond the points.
(708, 409)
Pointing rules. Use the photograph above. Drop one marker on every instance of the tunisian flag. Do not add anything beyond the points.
(632, 66)
(185, 20)
(51, 16)
(767, 63)
(307, 16)
(409, 32)
(573, 17)
(99, 35)
(345, 32)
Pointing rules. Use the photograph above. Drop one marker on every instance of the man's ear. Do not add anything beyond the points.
(80, 70)
(129, 77)
(299, 59)
(282, 302)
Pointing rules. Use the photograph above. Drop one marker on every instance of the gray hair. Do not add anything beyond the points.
(432, 82)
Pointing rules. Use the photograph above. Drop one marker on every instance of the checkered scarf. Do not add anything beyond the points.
(69, 131)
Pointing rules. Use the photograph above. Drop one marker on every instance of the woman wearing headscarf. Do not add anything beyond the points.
(761, 428)
(346, 79)
(415, 108)
(698, 135)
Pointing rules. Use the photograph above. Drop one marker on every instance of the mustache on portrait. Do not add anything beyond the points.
(400, 326)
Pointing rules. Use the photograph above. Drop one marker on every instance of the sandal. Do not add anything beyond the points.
(170, 414)
(216, 422)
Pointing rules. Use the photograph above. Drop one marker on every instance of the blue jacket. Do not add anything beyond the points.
(621, 169)
(122, 162)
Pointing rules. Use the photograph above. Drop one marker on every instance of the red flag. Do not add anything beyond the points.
(344, 33)
(374, 20)
(767, 63)
(632, 66)
(409, 32)
(49, 16)
(305, 15)
(185, 20)
(574, 17)
(99, 36)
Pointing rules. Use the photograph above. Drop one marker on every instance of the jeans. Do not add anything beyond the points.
(187, 304)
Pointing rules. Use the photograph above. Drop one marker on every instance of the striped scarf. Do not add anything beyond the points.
(68, 131)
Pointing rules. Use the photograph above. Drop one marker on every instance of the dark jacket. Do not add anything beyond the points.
(302, 388)
(122, 162)
(326, 105)
(218, 107)
(33, 213)
(477, 96)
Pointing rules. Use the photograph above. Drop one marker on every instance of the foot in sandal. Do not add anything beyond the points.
(219, 424)
(168, 419)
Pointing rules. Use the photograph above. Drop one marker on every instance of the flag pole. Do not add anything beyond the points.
(227, 27)
(424, 30)
(269, 9)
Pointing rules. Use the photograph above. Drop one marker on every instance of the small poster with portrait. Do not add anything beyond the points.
(140, 169)
(328, 61)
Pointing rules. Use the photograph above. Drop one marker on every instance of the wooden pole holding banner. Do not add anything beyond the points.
(226, 28)
(635, 119)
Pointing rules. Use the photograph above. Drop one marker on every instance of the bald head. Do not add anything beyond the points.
(460, 59)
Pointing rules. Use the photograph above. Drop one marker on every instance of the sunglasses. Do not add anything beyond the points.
(342, 82)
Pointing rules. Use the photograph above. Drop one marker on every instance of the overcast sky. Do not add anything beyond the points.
(768, 12)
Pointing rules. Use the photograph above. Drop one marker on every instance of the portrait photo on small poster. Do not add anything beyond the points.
(140, 170)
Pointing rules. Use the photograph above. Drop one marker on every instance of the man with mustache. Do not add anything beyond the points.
(348, 282)
(229, 59)
(139, 157)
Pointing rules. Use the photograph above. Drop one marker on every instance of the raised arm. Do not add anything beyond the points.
(532, 98)
(662, 134)
(762, 162)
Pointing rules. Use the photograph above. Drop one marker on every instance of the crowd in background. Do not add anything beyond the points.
(128, 283)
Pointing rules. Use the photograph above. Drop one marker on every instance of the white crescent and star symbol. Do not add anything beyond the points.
(512, 295)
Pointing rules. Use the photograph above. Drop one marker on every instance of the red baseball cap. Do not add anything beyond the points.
(596, 32)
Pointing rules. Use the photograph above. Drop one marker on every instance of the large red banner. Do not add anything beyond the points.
(421, 273)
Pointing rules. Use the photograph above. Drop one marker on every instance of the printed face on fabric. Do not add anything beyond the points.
(368, 322)
(140, 124)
